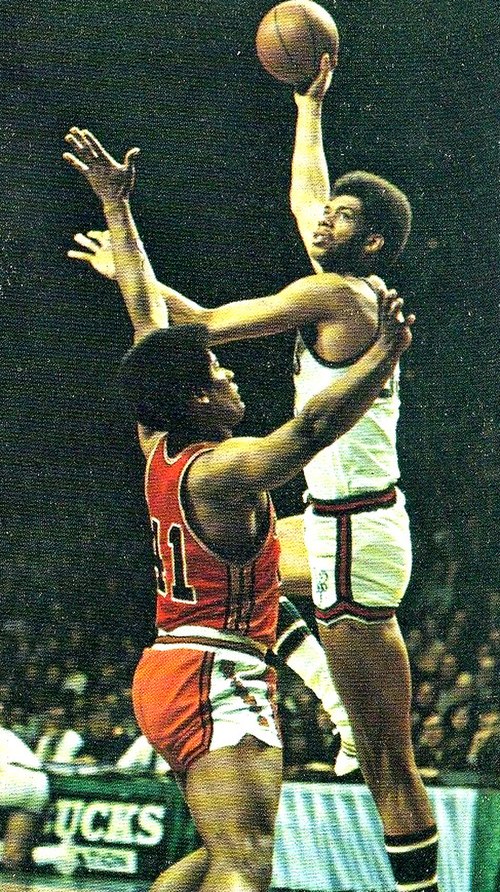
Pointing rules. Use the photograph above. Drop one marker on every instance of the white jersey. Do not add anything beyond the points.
(362, 460)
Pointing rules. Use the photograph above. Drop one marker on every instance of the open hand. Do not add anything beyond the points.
(98, 252)
(109, 179)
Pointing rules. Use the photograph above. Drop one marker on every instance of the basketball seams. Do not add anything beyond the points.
(280, 36)
(312, 34)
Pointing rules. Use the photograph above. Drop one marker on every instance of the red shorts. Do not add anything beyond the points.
(190, 701)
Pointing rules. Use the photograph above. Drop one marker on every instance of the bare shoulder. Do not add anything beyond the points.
(148, 439)
(212, 471)
(328, 289)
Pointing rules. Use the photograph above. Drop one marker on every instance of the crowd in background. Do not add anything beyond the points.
(68, 658)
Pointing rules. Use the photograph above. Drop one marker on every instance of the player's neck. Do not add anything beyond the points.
(180, 439)
(353, 269)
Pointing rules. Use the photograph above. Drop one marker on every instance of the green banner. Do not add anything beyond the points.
(486, 862)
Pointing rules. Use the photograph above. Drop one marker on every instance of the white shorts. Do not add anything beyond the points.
(360, 557)
(191, 698)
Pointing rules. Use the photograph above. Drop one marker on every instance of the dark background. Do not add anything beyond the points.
(413, 99)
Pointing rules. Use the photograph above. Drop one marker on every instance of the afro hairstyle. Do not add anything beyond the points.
(160, 373)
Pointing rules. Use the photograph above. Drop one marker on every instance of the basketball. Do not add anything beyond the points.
(292, 37)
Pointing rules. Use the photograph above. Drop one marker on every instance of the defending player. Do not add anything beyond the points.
(296, 646)
(203, 692)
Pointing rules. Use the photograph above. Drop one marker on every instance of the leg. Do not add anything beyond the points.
(297, 646)
(20, 833)
(300, 650)
(233, 796)
(185, 876)
(371, 669)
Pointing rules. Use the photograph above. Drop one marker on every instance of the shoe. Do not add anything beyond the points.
(345, 763)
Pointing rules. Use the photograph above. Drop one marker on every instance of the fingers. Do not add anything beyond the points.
(94, 240)
(92, 142)
(79, 255)
(85, 242)
(396, 310)
(377, 284)
(131, 155)
(80, 142)
(328, 63)
(102, 238)
(392, 309)
(75, 162)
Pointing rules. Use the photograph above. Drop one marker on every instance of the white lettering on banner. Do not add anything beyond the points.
(151, 825)
(68, 814)
(111, 860)
(123, 823)
(120, 823)
(91, 827)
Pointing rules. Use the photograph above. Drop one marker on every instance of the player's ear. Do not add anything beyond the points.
(374, 243)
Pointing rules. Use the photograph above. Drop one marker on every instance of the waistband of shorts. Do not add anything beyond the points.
(364, 501)
(213, 639)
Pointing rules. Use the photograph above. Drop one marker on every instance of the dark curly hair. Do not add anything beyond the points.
(386, 210)
(160, 373)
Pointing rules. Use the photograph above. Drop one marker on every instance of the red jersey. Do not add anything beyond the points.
(196, 586)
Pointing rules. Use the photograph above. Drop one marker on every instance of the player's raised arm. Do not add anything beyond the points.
(310, 183)
(112, 182)
(241, 466)
(311, 299)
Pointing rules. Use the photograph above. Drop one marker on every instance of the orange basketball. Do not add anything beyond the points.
(291, 39)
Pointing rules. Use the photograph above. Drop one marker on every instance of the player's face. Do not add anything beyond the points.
(339, 235)
(225, 399)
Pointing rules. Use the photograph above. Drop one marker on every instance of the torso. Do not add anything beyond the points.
(214, 568)
(364, 459)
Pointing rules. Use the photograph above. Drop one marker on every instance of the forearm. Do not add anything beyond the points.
(310, 299)
(310, 179)
(144, 302)
(337, 408)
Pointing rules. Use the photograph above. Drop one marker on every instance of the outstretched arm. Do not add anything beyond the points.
(310, 183)
(240, 466)
(306, 300)
(112, 183)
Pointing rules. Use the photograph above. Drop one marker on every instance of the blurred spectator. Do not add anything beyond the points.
(429, 746)
(438, 586)
(423, 705)
(75, 679)
(445, 680)
(462, 692)
(58, 742)
(140, 755)
(432, 649)
(103, 741)
(459, 725)
(484, 752)
(487, 682)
